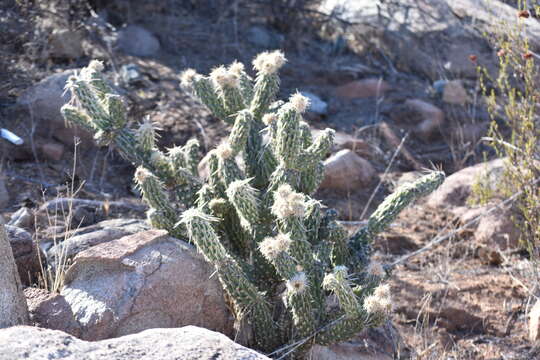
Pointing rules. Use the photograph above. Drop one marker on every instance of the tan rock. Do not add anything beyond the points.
(497, 230)
(346, 171)
(363, 88)
(431, 117)
(455, 93)
(457, 187)
(143, 281)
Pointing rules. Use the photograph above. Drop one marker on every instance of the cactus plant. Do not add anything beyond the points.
(278, 255)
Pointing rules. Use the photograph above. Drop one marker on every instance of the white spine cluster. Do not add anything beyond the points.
(271, 247)
(224, 151)
(298, 283)
(268, 63)
(299, 102)
(222, 78)
(288, 203)
(188, 76)
(380, 302)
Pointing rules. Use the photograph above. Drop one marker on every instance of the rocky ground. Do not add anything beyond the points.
(394, 78)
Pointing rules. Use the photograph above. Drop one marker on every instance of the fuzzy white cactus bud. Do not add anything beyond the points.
(269, 118)
(222, 78)
(236, 68)
(188, 76)
(299, 102)
(96, 65)
(380, 301)
(141, 174)
(271, 247)
(298, 283)
(224, 151)
(288, 203)
(268, 63)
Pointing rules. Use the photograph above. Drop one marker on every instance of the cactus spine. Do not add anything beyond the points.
(277, 254)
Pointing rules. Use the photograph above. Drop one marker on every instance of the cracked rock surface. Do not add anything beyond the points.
(142, 281)
(189, 342)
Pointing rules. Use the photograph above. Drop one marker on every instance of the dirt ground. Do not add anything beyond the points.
(449, 304)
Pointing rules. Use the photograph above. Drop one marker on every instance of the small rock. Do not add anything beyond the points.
(44, 101)
(455, 93)
(534, 322)
(131, 73)
(264, 38)
(438, 86)
(137, 41)
(431, 117)
(137, 282)
(22, 218)
(184, 343)
(66, 44)
(345, 171)
(52, 151)
(47, 97)
(457, 187)
(497, 230)
(316, 104)
(51, 311)
(363, 88)
(25, 252)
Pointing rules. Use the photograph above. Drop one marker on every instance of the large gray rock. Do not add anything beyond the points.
(185, 343)
(456, 189)
(136, 40)
(142, 281)
(427, 36)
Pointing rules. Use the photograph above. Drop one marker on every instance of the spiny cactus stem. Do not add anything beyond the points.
(390, 208)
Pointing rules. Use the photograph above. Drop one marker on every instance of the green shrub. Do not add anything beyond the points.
(278, 255)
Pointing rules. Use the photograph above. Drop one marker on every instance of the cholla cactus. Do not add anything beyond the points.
(277, 254)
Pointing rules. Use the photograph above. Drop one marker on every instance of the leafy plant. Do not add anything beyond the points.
(280, 258)
(515, 130)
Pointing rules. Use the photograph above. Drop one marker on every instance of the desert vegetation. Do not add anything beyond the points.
(269, 179)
